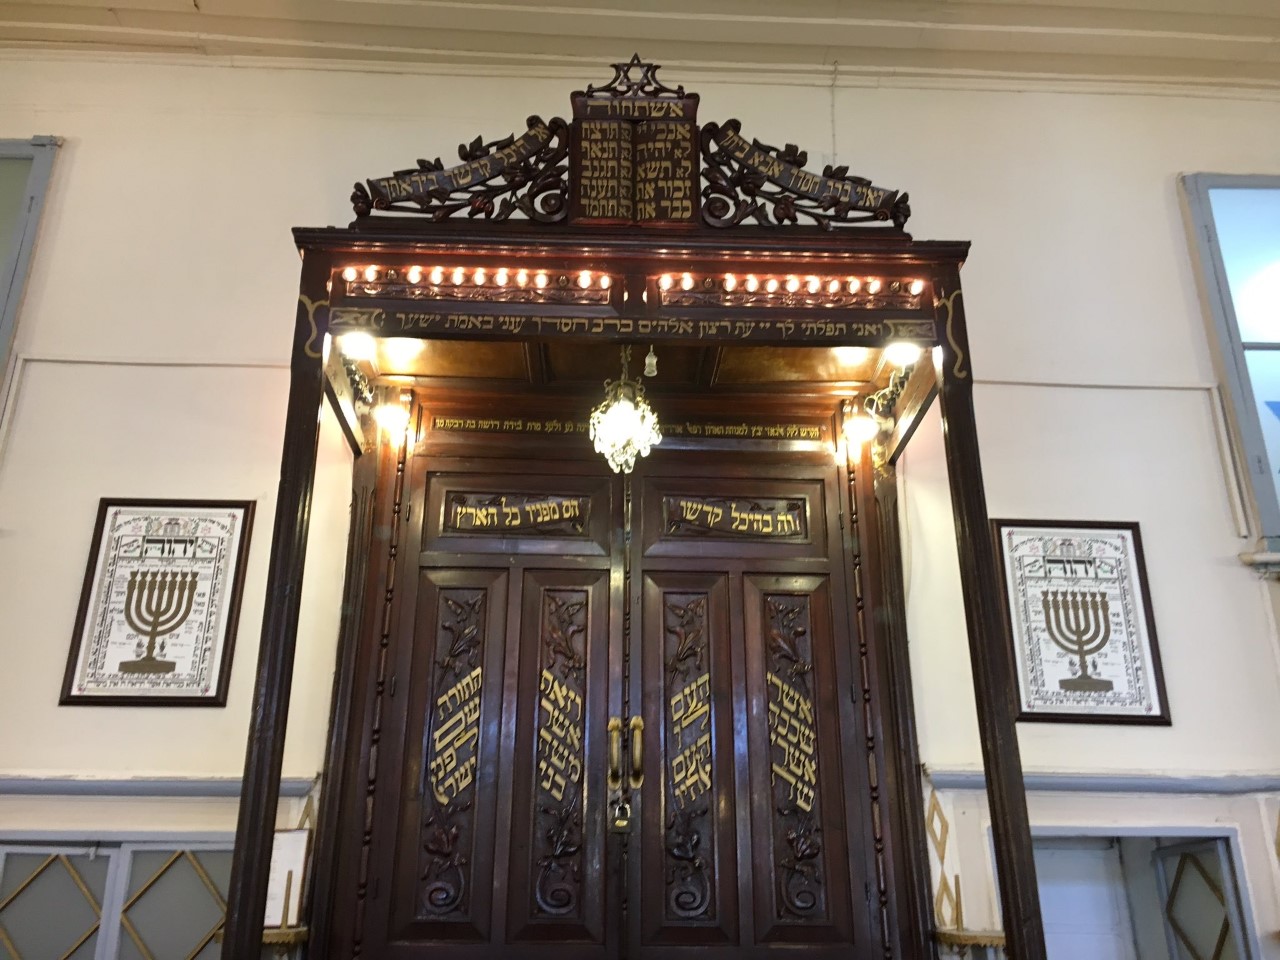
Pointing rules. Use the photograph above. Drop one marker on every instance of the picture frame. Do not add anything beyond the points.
(1078, 608)
(160, 604)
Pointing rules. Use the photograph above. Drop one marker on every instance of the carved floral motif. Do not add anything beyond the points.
(793, 744)
(690, 842)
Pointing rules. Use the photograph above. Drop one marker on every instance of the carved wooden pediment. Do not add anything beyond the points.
(634, 154)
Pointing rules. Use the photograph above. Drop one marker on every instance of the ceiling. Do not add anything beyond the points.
(581, 368)
(1206, 43)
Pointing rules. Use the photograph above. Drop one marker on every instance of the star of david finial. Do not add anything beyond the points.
(625, 83)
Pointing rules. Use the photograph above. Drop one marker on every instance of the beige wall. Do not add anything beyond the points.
(161, 300)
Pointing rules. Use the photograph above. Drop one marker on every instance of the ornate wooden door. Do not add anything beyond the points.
(619, 720)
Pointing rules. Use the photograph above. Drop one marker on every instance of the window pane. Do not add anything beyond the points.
(59, 902)
(1248, 226)
(1264, 375)
(13, 192)
(172, 908)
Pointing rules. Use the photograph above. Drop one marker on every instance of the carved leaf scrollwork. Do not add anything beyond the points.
(760, 182)
(496, 180)
(444, 879)
(453, 754)
(559, 869)
(690, 885)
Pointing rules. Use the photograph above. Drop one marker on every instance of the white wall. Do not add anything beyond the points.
(165, 251)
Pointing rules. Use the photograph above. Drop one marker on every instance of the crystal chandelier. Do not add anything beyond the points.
(624, 426)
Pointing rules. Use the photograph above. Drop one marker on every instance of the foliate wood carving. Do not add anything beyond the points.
(525, 174)
(768, 518)
(517, 514)
(452, 744)
(793, 747)
(557, 837)
(756, 181)
(690, 840)
(634, 154)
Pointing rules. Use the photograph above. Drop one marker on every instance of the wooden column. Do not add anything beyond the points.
(993, 675)
(260, 789)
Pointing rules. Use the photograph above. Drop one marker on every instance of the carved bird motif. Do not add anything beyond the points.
(688, 632)
(785, 635)
(562, 630)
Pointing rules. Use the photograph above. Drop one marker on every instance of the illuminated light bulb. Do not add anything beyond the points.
(479, 277)
(437, 275)
(584, 279)
(664, 282)
(873, 286)
(500, 278)
(813, 284)
(902, 354)
(917, 286)
(358, 345)
(522, 277)
(605, 281)
(458, 276)
(833, 286)
(540, 280)
(752, 283)
(771, 285)
(399, 352)
(371, 273)
(730, 282)
(860, 428)
(393, 418)
(793, 284)
(414, 275)
(327, 348)
(686, 282)
(349, 274)
(854, 284)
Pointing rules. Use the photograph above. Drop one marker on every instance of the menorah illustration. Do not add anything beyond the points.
(1078, 623)
(156, 603)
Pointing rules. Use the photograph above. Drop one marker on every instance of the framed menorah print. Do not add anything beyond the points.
(1084, 638)
(160, 603)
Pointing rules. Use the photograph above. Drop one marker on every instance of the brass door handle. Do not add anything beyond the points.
(637, 752)
(615, 754)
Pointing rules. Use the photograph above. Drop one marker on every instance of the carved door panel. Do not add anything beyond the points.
(486, 799)
(751, 839)
(513, 649)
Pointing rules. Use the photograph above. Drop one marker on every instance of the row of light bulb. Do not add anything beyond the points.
(480, 276)
(502, 277)
(751, 283)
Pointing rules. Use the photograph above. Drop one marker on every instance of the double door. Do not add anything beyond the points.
(620, 718)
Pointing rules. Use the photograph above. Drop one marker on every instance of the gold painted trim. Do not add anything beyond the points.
(9, 944)
(950, 303)
(969, 938)
(88, 895)
(27, 882)
(203, 874)
(311, 349)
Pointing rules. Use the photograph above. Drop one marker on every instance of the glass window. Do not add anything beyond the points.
(1235, 224)
(25, 166)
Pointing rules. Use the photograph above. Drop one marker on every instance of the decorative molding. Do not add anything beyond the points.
(166, 787)
(1229, 785)
(377, 712)
(839, 76)
(875, 761)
